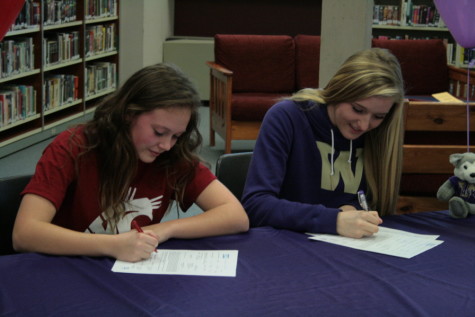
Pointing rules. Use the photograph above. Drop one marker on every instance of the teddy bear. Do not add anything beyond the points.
(459, 190)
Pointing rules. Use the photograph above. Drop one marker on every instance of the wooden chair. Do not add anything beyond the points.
(433, 131)
(458, 83)
(250, 73)
(10, 189)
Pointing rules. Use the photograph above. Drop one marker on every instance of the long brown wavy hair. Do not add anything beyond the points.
(108, 134)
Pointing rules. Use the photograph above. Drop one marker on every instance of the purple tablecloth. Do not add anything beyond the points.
(279, 273)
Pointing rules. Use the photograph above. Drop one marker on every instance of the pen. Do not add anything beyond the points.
(362, 200)
(137, 227)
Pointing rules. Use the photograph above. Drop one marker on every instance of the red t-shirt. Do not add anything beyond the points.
(76, 197)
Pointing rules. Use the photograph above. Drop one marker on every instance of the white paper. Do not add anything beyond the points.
(386, 241)
(184, 262)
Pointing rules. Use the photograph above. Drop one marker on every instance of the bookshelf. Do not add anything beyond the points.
(56, 63)
(416, 19)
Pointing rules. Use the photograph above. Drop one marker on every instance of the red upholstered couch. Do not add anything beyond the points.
(423, 64)
(250, 73)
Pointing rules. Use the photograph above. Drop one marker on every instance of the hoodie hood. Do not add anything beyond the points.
(324, 131)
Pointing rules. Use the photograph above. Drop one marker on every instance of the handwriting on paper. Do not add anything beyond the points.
(184, 262)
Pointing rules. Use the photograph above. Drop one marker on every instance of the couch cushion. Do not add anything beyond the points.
(260, 63)
(423, 64)
(253, 106)
(307, 60)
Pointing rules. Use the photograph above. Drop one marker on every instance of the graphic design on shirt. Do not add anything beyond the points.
(133, 208)
(466, 191)
(342, 169)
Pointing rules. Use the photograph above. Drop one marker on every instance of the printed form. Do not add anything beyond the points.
(184, 262)
(387, 241)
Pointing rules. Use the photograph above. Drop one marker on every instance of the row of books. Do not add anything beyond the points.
(59, 90)
(101, 8)
(100, 76)
(100, 39)
(386, 15)
(16, 103)
(467, 55)
(61, 47)
(19, 102)
(423, 15)
(407, 14)
(59, 11)
(408, 36)
(28, 17)
(16, 56)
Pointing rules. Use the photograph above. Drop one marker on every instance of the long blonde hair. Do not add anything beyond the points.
(369, 73)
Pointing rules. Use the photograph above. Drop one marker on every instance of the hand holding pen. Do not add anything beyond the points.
(356, 223)
(136, 226)
(364, 204)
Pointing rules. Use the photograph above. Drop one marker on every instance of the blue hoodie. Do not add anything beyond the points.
(294, 181)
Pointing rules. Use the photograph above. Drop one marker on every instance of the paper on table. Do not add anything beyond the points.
(386, 241)
(184, 262)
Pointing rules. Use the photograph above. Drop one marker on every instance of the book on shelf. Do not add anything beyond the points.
(28, 17)
(16, 56)
(61, 47)
(59, 90)
(100, 8)
(18, 103)
(407, 14)
(8, 111)
(386, 15)
(100, 76)
(466, 56)
(59, 11)
(100, 39)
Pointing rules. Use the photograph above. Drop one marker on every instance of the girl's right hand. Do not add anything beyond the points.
(135, 246)
(357, 223)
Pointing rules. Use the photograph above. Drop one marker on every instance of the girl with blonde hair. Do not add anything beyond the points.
(317, 149)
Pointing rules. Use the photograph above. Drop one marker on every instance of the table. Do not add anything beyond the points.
(279, 273)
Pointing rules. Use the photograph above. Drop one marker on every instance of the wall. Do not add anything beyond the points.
(196, 22)
(204, 18)
(346, 28)
(191, 56)
(144, 26)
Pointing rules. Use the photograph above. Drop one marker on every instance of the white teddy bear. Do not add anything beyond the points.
(459, 190)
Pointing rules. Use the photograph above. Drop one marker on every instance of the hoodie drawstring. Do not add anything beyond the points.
(333, 153)
(332, 172)
(351, 151)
